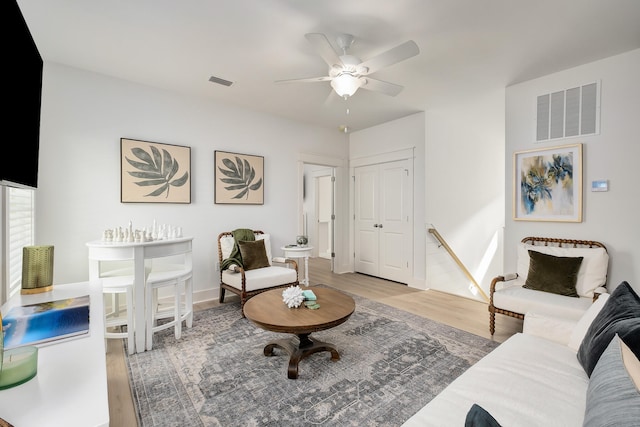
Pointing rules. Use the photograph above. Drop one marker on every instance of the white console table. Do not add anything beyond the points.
(70, 387)
(299, 252)
(141, 253)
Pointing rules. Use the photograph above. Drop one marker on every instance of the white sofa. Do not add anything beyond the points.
(535, 378)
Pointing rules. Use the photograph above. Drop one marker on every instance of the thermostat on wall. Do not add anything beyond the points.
(601, 185)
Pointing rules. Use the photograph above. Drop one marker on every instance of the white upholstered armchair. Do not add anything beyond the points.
(255, 270)
(549, 279)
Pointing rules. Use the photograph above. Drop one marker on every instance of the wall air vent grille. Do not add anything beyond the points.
(567, 113)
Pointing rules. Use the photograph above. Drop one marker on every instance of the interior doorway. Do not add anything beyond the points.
(318, 209)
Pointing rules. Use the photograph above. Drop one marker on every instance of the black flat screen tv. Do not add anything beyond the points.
(23, 87)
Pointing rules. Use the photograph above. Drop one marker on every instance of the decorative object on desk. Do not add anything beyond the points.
(46, 321)
(154, 173)
(19, 365)
(238, 178)
(309, 295)
(130, 235)
(37, 269)
(292, 296)
(302, 241)
(547, 184)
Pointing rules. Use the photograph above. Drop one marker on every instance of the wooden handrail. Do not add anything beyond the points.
(457, 260)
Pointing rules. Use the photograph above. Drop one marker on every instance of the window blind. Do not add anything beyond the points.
(19, 233)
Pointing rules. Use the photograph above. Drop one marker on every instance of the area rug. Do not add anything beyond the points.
(391, 364)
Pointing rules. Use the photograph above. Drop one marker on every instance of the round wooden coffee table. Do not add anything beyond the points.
(268, 311)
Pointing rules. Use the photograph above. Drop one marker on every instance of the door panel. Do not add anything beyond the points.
(383, 243)
(366, 213)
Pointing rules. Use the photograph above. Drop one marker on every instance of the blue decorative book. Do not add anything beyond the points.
(46, 321)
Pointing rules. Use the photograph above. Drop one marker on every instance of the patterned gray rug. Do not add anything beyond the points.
(392, 363)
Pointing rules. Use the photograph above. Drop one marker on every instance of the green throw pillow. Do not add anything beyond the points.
(254, 254)
(555, 274)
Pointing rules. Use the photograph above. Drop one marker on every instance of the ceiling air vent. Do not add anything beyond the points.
(220, 81)
(567, 113)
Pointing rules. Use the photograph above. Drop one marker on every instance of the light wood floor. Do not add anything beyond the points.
(462, 313)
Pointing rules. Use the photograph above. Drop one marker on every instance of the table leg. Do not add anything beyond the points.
(306, 271)
(306, 347)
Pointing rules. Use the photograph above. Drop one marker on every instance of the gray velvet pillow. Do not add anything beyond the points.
(254, 254)
(553, 274)
(612, 397)
(619, 315)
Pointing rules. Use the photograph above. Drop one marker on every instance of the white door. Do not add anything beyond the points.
(383, 206)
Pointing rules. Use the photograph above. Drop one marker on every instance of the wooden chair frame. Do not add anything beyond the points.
(539, 241)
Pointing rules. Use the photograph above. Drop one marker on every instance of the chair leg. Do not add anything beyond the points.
(492, 322)
(221, 294)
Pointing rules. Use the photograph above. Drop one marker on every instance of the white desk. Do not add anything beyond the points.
(70, 387)
(141, 253)
(299, 252)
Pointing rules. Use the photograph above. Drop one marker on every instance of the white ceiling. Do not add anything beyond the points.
(465, 46)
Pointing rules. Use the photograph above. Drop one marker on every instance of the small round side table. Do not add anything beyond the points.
(299, 252)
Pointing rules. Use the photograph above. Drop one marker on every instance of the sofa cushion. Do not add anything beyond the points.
(593, 270)
(260, 278)
(580, 329)
(254, 254)
(521, 300)
(550, 273)
(619, 315)
(479, 417)
(613, 399)
(553, 328)
(526, 381)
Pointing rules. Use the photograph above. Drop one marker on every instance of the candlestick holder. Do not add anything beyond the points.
(37, 269)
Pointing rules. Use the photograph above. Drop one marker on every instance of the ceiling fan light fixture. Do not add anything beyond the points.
(346, 85)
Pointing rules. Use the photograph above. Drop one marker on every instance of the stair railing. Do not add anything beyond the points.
(464, 269)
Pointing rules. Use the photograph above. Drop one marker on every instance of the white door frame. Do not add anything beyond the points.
(341, 262)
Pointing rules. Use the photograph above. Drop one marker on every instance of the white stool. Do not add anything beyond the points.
(118, 317)
(180, 280)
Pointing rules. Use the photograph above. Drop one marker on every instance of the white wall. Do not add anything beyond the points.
(465, 191)
(84, 115)
(402, 134)
(609, 217)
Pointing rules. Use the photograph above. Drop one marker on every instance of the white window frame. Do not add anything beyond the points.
(18, 230)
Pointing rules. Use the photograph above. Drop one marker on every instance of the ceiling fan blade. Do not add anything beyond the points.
(382, 86)
(307, 80)
(324, 48)
(394, 55)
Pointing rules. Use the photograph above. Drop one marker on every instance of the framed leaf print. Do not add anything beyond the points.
(548, 184)
(154, 173)
(239, 178)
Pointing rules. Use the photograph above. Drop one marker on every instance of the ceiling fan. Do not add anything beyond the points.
(348, 73)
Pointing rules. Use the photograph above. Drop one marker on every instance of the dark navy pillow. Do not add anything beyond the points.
(479, 417)
(619, 315)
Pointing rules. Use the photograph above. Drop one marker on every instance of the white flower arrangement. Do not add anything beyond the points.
(292, 296)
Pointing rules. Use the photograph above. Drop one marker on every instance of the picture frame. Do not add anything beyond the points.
(239, 178)
(152, 172)
(547, 184)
